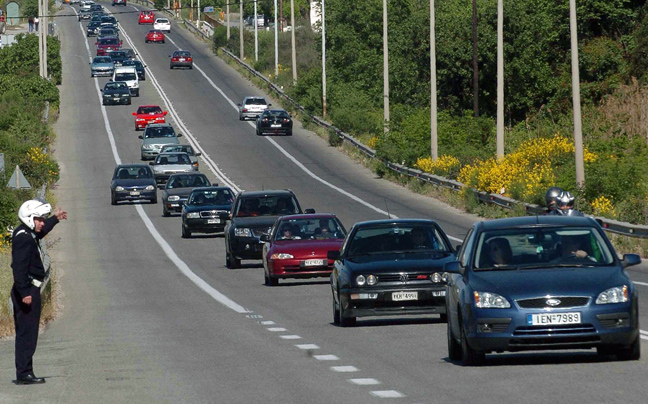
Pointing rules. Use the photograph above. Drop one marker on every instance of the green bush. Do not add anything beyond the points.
(220, 36)
(21, 58)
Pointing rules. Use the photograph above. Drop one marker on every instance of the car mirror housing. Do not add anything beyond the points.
(134, 113)
(309, 210)
(630, 260)
(164, 113)
(333, 255)
(458, 247)
(140, 136)
(151, 163)
(452, 267)
(265, 237)
(198, 154)
(179, 134)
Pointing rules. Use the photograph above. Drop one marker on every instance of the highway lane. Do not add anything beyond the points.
(177, 321)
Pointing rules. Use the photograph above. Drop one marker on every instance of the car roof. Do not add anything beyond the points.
(371, 223)
(171, 153)
(536, 221)
(149, 106)
(267, 193)
(191, 173)
(255, 97)
(124, 69)
(139, 165)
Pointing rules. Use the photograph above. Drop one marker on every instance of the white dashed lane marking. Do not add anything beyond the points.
(326, 357)
(267, 322)
(365, 382)
(307, 346)
(289, 337)
(344, 369)
(276, 329)
(387, 394)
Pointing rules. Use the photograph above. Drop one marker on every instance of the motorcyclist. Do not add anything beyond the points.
(551, 199)
(565, 205)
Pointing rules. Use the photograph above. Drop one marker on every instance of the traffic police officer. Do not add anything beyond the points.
(27, 258)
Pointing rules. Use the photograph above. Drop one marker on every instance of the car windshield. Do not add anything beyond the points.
(211, 197)
(183, 181)
(108, 41)
(115, 86)
(93, 24)
(117, 55)
(309, 229)
(545, 247)
(151, 110)
(125, 76)
(397, 238)
(275, 114)
(271, 205)
(132, 172)
(175, 158)
(102, 59)
(255, 101)
(159, 131)
(135, 63)
(180, 148)
(108, 18)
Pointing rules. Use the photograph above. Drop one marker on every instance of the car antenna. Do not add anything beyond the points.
(387, 206)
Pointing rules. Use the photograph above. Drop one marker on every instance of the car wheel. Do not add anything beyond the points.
(469, 356)
(454, 348)
(240, 117)
(171, 67)
(146, 40)
(344, 320)
(113, 200)
(631, 353)
(162, 41)
(191, 67)
(258, 133)
(129, 102)
(185, 233)
(165, 211)
(444, 318)
(336, 313)
(289, 133)
(232, 262)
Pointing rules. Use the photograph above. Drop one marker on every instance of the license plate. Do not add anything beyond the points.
(553, 318)
(213, 221)
(401, 296)
(314, 263)
(134, 193)
(175, 205)
(275, 126)
(439, 293)
(181, 59)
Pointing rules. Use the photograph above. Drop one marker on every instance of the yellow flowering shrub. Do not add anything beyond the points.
(39, 167)
(372, 142)
(603, 206)
(446, 166)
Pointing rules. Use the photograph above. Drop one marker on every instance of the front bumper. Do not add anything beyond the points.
(116, 100)
(384, 305)
(202, 225)
(102, 73)
(246, 248)
(128, 195)
(144, 124)
(295, 268)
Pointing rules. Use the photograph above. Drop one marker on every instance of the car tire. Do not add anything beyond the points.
(129, 102)
(258, 133)
(346, 321)
(232, 263)
(336, 313)
(165, 211)
(454, 348)
(443, 317)
(113, 200)
(185, 233)
(191, 67)
(146, 41)
(162, 41)
(469, 356)
(241, 117)
(630, 353)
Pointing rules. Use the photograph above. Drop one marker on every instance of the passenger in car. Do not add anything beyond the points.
(498, 252)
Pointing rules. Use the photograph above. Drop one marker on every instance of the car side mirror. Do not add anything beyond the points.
(265, 238)
(458, 247)
(134, 113)
(333, 255)
(151, 163)
(198, 154)
(179, 134)
(101, 89)
(140, 136)
(630, 260)
(453, 267)
(165, 112)
(309, 210)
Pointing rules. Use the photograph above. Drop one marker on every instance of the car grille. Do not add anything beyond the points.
(211, 213)
(258, 231)
(404, 278)
(541, 302)
(544, 330)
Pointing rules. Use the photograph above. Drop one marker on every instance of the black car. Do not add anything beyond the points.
(390, 267)
(116, 92)
(132, 182)
(109, 19)
(274, 121)
(105, 31)
(253, 214)
(178, 188)
(139, 67)
(118, 57)
(92, 28)
(96, 7)
(130, 53)
(206, 211)
(541, 283)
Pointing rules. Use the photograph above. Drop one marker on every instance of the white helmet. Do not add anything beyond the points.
(31, 209)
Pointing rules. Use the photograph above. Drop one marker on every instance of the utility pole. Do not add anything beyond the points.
(42, 37)
(276, 41)
(500, 79)
(433, 87)
(578, 129)
(191, 11)
(281, 17)
(198, 23)
(475, 64)
(323, 62)
(241, 51)
(228, 18)
(256, 33)
(385, 68)
(292, 37)
(40, 40)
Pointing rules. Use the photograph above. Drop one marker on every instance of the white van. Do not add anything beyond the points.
(129, 75)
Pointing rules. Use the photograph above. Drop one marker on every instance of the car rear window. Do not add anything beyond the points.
(271, 205)
(172, 159)
(400, 237)
(310, 229)
(182, 181)
(108, 41)
(255, 101)
(162, 21)
(279, 114)
(115, 86)
(125, 76)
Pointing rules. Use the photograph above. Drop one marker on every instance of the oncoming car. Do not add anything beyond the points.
(540, 283)
(101, 66)
(115, 92)
(132, 182)
(182, 148)
(167, 164)
(207, 210)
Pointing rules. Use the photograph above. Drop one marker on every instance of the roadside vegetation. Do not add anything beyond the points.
(538, 135)
(25, 139)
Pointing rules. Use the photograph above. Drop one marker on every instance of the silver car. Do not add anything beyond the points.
(182, 148)
(252, 107)
(155, 136)
(166, 164)
(102, 66)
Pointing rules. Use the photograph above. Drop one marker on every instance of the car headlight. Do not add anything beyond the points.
(125, 95)
(148, 146)
(118, 188)
(174, 198)
(149, 188)
(613, 295)
(485, 300)
(242, 232)
(361, 280)
(372, 280)
(193, 215)
(281, 256)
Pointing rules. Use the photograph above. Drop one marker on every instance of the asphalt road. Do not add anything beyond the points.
(150, 317)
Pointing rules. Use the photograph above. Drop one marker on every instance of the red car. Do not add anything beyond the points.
(297, 247)
(154, 35)
(147, 114)
(107, 44)
(146, 17)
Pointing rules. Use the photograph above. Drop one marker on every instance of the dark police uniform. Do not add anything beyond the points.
(27, 265)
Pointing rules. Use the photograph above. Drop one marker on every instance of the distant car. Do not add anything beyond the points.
(129, 75)
(541, 283)
(162, 24)
(260, 20)
(115, 92)
(298, 246)
(108, 32)
(147, 114)
(119, 3)
(166, 164)
(101, 66)
(146, 17)
(85, 5)
(181, 58)
(92, 28)
(132, 182)
(109, 19)
(118, 57)
(96, 7)
(390, 267)
(95, 16)
(129, 53)
(84, 14)
(182, 148)
(154, 35)
(139, 68)
(107, 44)
(206, 211)
(178, 188)
(155, 136)
(252, 107)
(274, 121)
(253, 215)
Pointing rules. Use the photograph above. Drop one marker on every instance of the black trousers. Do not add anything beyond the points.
(26, 320)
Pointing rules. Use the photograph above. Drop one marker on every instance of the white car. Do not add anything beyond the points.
(85, 5)
(129, 75)
(252, 107)
(162, 24)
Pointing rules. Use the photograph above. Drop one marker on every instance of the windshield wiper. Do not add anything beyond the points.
(502, 268)
(561, 265)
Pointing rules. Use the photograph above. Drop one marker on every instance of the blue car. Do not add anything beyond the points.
(540, 283)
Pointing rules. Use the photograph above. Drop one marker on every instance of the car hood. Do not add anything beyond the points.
(256, 221)
(200, 208)
(119, 91)
(173, 167)
(161, 140)
(390, 263)
(134, 182)
(526, 283)
(184, 191)
(95, 65)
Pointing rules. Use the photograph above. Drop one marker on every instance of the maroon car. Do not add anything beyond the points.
(108, 44)
(297, 247)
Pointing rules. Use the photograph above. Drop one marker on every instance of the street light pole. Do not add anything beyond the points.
(40, 40)
(256, 33)
(276, 40)
(385, 68)
(578, 129)
(323, 62)
(433, 87)
(241, 50)
(500, 79)
(292, 37)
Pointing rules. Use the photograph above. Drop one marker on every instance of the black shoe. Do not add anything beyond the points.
(30, 379)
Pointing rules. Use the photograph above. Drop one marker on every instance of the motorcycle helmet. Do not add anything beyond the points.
(551, 197)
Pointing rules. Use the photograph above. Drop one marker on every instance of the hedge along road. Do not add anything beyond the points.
(134, 329)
